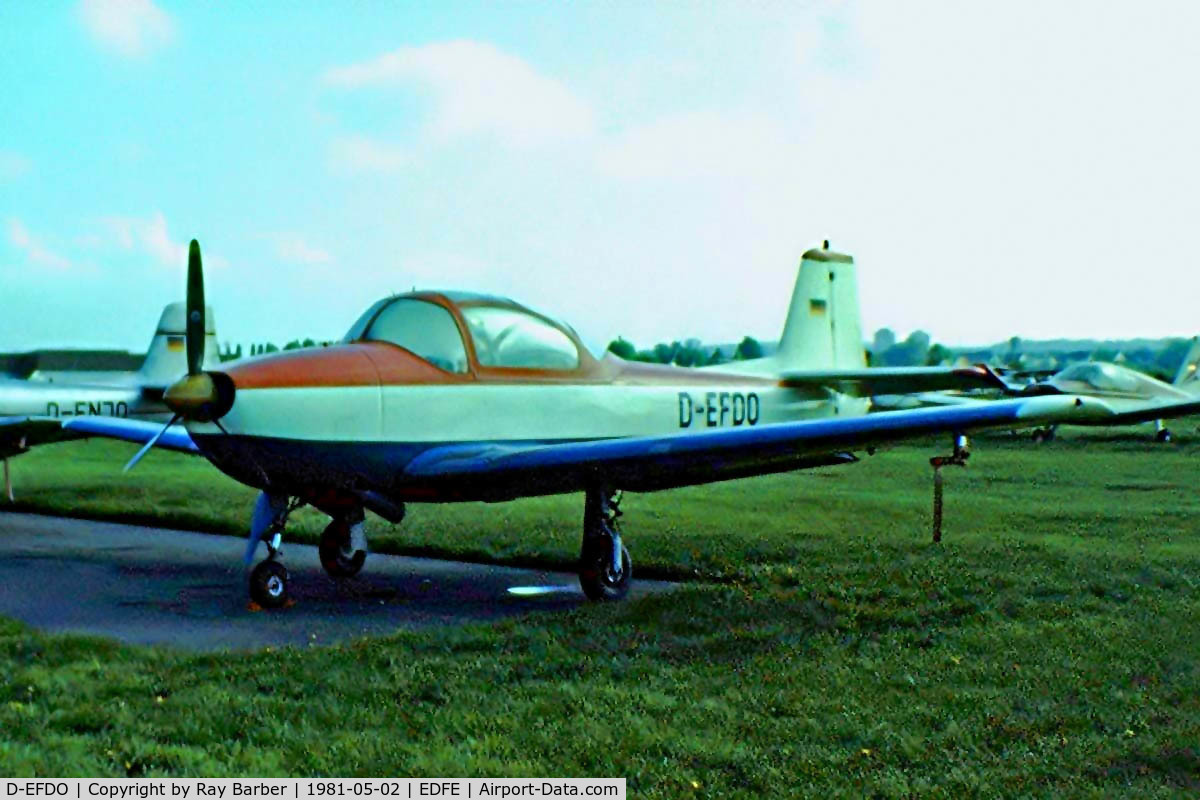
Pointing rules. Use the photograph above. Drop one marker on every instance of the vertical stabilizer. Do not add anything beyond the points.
(823, 330)
(1186, 374)
(166, 360)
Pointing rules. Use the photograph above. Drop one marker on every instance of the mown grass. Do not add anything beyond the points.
(823, 646)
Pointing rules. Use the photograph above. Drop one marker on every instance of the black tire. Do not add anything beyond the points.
(1038, 436)
(595, 572)
(1163, 436)
(336, 557)
(269, 584)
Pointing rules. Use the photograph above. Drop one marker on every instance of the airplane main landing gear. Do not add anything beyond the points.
(1162, 434)
(343, 547)
(1045, 434)
(605, 568)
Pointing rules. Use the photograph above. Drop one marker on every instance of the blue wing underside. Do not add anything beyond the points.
(661, 462)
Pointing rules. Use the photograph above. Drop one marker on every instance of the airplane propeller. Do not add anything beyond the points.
(198, 396)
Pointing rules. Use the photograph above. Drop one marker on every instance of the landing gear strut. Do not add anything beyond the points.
(959, 459)
(605, 568)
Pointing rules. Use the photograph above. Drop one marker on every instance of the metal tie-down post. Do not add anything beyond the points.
(958, 458)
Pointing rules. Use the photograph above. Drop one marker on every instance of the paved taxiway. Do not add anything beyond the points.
(188, 590)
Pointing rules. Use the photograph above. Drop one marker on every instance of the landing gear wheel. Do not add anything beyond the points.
(596, 575)
(338, 557)
(269, 584)
(1043, 435)
(1163, 436)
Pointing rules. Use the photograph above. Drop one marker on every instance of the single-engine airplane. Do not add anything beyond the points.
(41, 409)
(445, 396)
(1135, 396)
(1132, 397)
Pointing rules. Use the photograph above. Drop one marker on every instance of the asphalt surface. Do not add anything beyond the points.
(189, 590)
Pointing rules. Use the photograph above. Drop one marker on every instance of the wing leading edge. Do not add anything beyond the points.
(646, 463)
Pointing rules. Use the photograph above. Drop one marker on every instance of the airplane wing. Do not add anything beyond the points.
(646, 463)
(1126, 415)
(133, 430)
(18, 434)
(896, 380)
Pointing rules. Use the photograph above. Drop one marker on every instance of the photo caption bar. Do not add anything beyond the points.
(308, 789)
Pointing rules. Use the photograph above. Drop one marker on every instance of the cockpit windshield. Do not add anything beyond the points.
(510, 337)
(423, 328)
(1104, 377)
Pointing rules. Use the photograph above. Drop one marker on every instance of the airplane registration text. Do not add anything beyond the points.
(718, 409)
(85, 408)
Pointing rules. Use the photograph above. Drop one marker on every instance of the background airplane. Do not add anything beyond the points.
(1136, 396)
(38, 410)
(449, 396)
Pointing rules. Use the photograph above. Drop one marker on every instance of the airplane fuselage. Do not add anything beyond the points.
(382, 407)
(32, 398)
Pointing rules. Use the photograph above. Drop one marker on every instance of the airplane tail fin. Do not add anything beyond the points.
(823, 330)
(166, 360)
(1187, 372)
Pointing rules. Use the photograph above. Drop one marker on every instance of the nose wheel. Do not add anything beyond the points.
(605, 569)
(269, 584)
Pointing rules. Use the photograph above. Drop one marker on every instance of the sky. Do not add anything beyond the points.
(649, 170)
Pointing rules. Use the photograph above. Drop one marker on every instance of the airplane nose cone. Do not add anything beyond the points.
(203, 397)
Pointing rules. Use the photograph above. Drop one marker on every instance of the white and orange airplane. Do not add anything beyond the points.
(444, 396)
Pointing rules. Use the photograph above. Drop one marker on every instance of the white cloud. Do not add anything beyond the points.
(13, 165)
(128, 27)
(148, 236)
(350, 154)
(477, 89)
(37, 253)
(293, 248)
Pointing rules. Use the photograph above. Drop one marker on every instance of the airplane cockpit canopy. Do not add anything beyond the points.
(503, 334)
(421, 327)
(511, 337)
(1103, 377)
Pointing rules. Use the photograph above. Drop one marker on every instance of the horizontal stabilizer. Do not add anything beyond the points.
(870, 381)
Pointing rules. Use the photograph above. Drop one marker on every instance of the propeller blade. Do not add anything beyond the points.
(195, 310)
(146, 447)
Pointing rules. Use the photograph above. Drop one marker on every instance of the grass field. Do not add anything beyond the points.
(820, 646)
